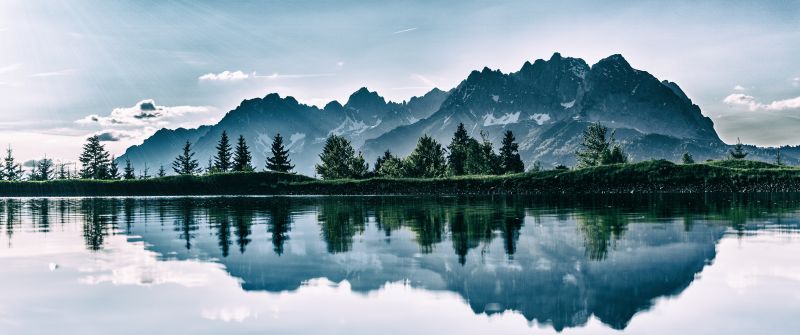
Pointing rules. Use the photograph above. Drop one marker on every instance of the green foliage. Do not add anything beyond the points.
(778, 158)
(617, 156)
(597, 150)
(389, 166)
(94, 159)
(458, 148)
(427, 160)
(687, 158)
(128, 171)
(185, 164)
(339, 160)
(45, 169)
(222, 160)
(161, 172)
(113, 169)
(509, 155)
(10, 169)
(279, 161)
(738, 150)
(242, 159)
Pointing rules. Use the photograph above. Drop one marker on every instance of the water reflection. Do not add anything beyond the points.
(556, 261)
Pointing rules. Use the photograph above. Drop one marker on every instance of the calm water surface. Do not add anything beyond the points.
(400, 265)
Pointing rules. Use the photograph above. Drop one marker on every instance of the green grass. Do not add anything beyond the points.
(657, 176)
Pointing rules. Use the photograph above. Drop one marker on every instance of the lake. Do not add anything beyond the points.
(691, 264)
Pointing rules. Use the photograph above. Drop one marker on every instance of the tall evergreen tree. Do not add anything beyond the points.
(279, 161)
(687, 158)
(45, 169)
(94, 159)
(458, 148)
(617, 156)
(185, 164)
(62, 171)
(33, 174)
(129, 173)
(113, 169)
(222, 160)
(427, 160)
(145, 172)
(509, 155)
(779, 158)
(161, 171)
(594, 148)
(738, 150)
(242, 159)
(10, 169)
(339, 160)
(389, 166)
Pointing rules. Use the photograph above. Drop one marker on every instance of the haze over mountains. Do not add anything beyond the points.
(547, 104)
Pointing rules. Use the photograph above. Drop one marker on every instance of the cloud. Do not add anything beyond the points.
(64, 72)
(114, 135)
(423, 79)
(10, 68)
(144, 113)
(750, 102)
(404, 31)
(225, 76)
(739, 88)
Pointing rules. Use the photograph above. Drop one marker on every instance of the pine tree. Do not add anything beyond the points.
(458, 148)
(129, 172)
(33, 175)
(279, 161)
(687, 158)
(617, 156)
(10, 169)
(94, 159)
(62, 171)
(161, 171)
(113, 169)
(594, 148)
(427, 160)
(241, 156)
(509, 155)
(389, 166)
(145, 172)
(339, 160)
(45, 169)
(222, 161)
(738, 150)
(185, 164)
(778, 158)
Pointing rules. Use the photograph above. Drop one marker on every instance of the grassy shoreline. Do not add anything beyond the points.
(644, 177)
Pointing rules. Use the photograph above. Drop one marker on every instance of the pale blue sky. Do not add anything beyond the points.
(64, 61)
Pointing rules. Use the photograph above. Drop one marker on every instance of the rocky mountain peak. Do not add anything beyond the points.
(364, 99)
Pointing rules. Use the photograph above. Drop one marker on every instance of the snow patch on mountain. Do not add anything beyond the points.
(495, 97)
(540, 118)
(507, 118)
(568, 104)
(296, 142)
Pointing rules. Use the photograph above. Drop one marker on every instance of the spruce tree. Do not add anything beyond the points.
(458, 148)
(279, 161)
(10, 170)
(389, 166)
(222, 160)
(594, 148)
(427, 160)
(161, 171)
(94, 159)
(45, 169)
(185, 164)
(145, 172)
(687, 158)
(617, 156)
(113, 169)
(62, 171)
(129, 172)
(779, 158)
(242, 159)
(738, 150)
(33, 174)
(509, 155)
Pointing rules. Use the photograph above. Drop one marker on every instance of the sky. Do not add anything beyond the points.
(123, 69)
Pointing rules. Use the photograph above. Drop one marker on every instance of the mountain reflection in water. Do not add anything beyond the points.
(556, 261)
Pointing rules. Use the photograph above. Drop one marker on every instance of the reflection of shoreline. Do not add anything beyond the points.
(554, 265)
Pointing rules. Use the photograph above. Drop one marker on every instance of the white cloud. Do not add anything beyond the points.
(339, 65)
(750, 102)
(423, 79)
(225, 76)
(404, 31)
(796, 81)
(739, 88)
(10, 68)
(144, 113)
(64, 72)
(228, 314)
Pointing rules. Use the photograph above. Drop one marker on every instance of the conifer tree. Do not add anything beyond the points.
(62, 171)
(222, 160)
(45, 169)
(279, 161)
(339, 160)
(509, 155)
(129, 173)
(389, 166)
(594, 148)
(185, 164)
(161, 172)
(94, 159)
(779, 158)
(427, 160)
(458, 148)
(242, 159)
(617, 156)
(145, 172)
(738, 150)
(33, 174)
(10, 169)
(113, 169)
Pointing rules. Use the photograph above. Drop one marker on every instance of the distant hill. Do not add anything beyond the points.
(547, 104)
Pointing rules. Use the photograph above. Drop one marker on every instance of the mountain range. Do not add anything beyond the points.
(547, 104)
